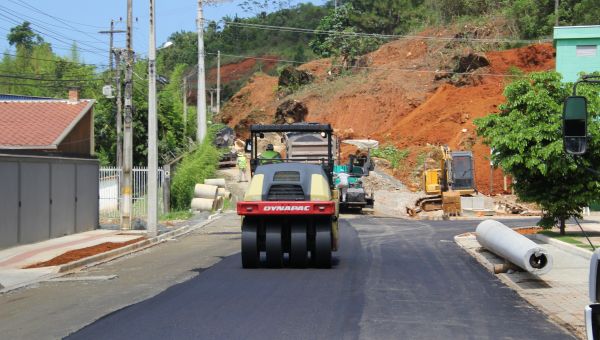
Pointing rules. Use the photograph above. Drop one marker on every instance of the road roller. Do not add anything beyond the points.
(290, 210)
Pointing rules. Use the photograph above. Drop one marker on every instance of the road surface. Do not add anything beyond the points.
(392, 279)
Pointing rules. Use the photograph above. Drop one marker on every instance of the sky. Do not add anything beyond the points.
(64, 21)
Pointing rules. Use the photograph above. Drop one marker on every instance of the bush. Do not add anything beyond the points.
(391, 153)
(202, 163)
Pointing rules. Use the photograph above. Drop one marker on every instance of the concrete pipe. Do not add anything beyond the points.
(203, 204)
(220, 182)
(514, 247)
(219, 203)
(205, 191)
(222, 192)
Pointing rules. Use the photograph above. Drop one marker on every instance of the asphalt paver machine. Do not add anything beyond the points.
(290, 210)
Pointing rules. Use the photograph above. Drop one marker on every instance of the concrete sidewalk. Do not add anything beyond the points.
(561, 294)
(14, 260)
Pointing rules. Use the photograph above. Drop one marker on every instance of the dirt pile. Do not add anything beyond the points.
(290, 111)
(399, 99)
(291, 78)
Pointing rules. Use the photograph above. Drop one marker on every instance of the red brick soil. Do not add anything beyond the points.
(79, 254)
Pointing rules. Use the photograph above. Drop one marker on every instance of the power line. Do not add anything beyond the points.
(380, 36)
(50, 80)
(34, 19)
(38, 85)
(52, 37)
(55, 61)
(55, 35)
(26, 5)
(371, 68)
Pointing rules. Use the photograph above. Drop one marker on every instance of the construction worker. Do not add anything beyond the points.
(242, 164)
(270, 156)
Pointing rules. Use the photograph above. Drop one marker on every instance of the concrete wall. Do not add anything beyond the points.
(46, 197)
(566, 40)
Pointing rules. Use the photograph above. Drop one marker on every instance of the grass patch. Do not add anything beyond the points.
(176, 215)
(568, 239)
(227, 204)
(392, 154)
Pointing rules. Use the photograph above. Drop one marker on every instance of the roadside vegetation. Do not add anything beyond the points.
(392, 154)
(195, 167)
(526, 137)
(576, 239)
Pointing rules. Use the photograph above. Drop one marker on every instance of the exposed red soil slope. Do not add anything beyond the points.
(397, 99)
(236, 71)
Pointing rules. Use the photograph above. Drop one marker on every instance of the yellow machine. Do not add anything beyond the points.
(446, 184)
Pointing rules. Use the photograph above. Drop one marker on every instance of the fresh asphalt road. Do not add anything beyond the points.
(392, 279)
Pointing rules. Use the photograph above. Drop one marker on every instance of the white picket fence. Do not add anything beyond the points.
(109, 189)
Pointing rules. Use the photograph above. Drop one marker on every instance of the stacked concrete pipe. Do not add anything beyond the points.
(220, 182)
(514, 247)
(205, 197)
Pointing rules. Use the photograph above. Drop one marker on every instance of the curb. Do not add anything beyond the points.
(147, 243)
(569, 248)
(512, 285)
(97, 259)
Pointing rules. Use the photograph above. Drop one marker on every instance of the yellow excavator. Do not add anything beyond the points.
(445, 184)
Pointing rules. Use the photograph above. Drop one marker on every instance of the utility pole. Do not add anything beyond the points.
(117, 58)
(185, 109)
(556, 5)
(491, 172)
(126, 215)
(110, 51)
(152, 138)
(118, 53)
(218, 82)
(201, 94)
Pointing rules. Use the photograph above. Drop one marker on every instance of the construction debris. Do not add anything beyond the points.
(290, 111)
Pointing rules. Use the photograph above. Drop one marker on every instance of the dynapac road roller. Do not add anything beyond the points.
(290, 206)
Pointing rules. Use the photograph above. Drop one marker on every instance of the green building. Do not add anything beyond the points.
(577, 50)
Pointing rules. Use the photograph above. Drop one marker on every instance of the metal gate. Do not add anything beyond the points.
(110, 187)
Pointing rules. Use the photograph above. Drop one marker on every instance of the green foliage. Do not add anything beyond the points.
(194, 168)
(344, 45)
(176, 215)
(391, 153)
(527, 141)
(388, 17)
(22, 36)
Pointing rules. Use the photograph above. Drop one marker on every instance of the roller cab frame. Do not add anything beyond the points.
(289, 212)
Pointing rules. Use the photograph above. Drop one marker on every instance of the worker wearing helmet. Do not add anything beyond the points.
(270, 156)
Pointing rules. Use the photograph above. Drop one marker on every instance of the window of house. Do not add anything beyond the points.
(586, 50)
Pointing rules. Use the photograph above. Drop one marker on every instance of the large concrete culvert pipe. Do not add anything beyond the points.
(514, 247)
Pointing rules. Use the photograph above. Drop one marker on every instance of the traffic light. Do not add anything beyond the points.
(575, 117)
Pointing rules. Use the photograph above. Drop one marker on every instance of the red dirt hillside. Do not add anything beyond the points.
(403, 98)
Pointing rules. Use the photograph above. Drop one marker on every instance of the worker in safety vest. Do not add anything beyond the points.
(270, 156)
(242, 164)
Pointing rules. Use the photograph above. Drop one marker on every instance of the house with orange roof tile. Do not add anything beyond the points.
(47, 126)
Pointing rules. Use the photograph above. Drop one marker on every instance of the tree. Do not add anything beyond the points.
(387, 17)
(22, 36)
(343, 44)
(527, 142)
